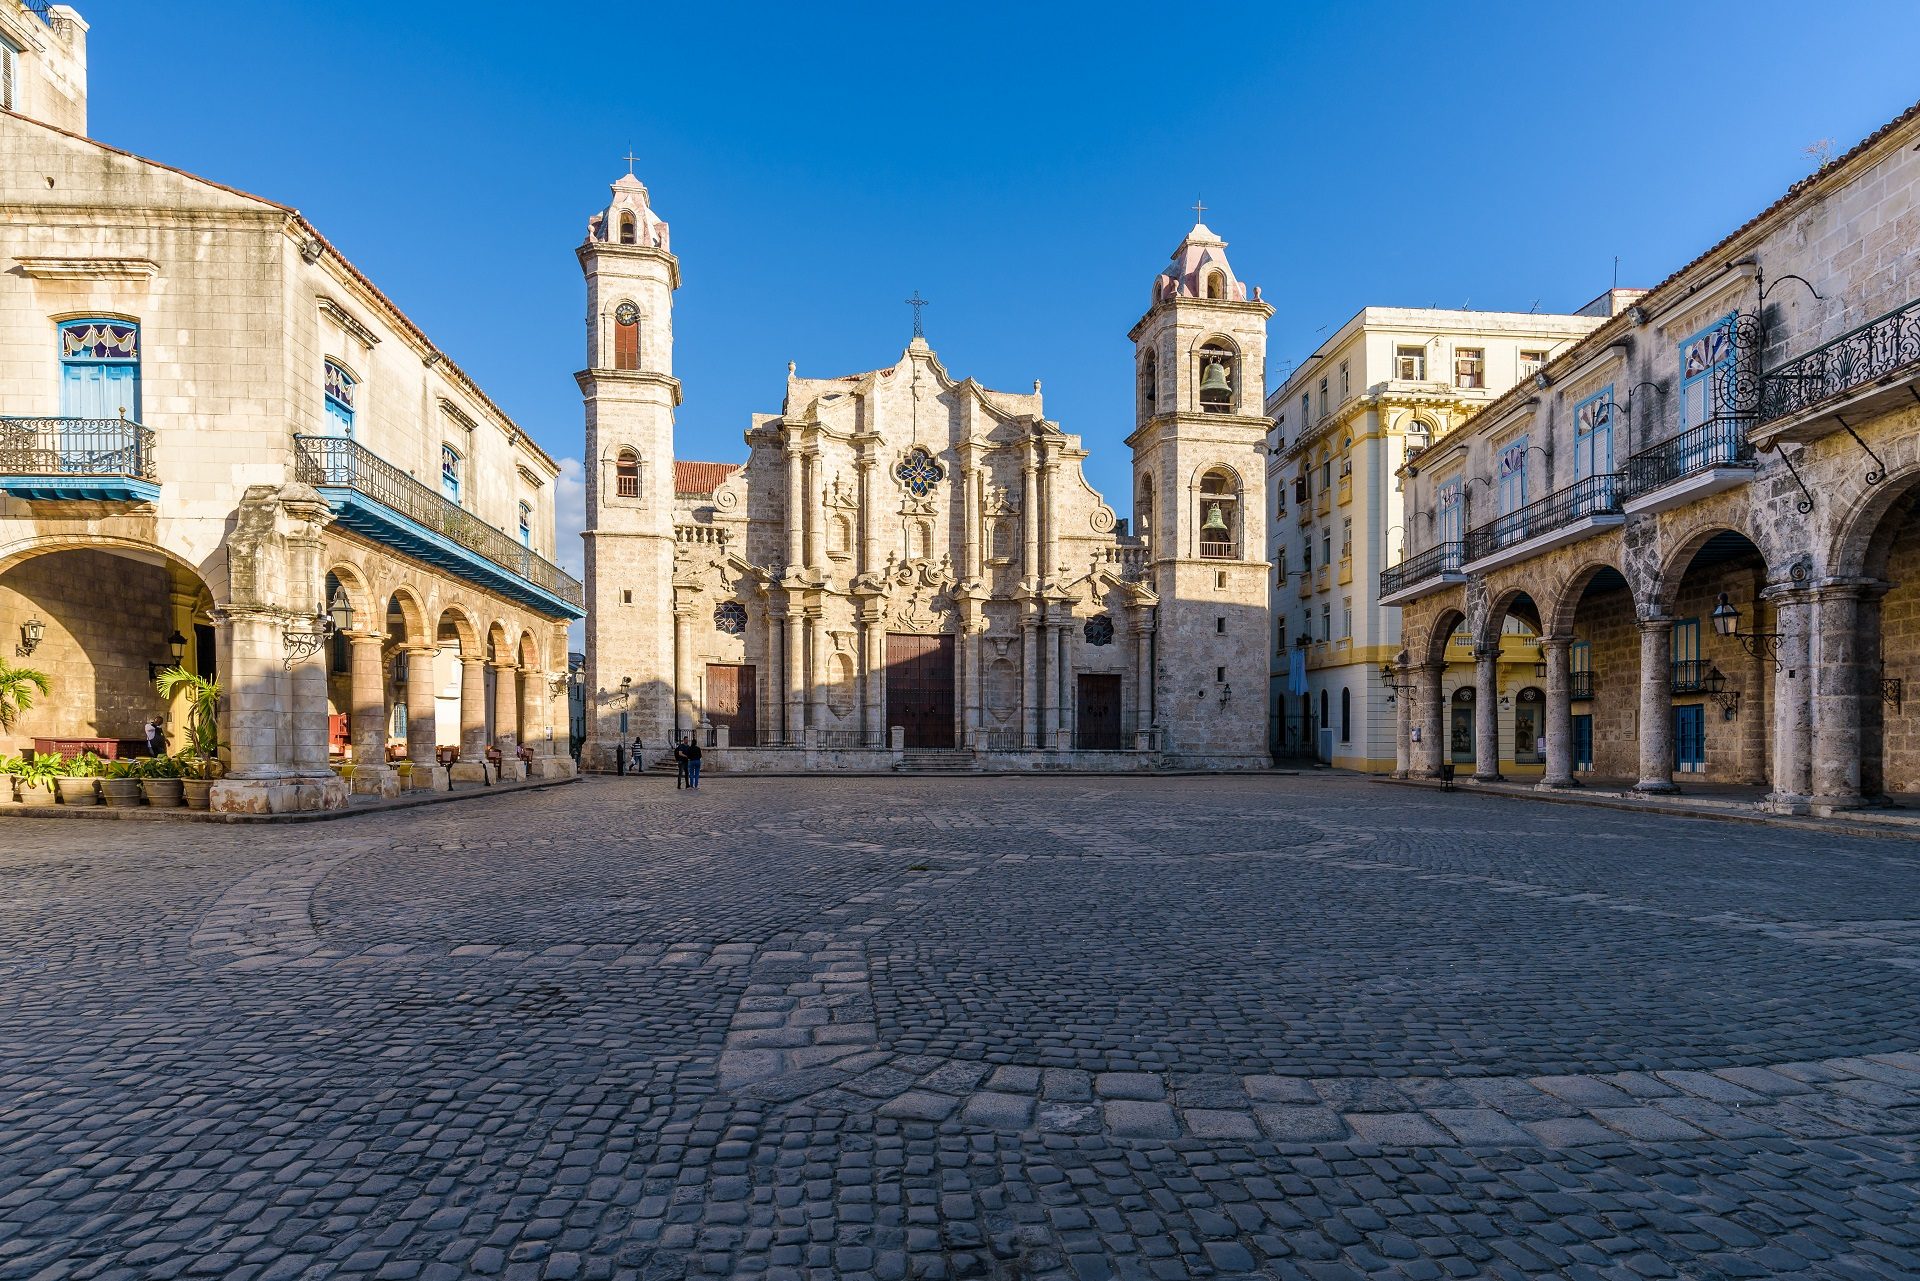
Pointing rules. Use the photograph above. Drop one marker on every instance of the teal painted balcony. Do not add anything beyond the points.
(379, 501)
(77, 460)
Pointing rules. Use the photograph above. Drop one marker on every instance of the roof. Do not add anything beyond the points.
(700, 478)
(458, 374)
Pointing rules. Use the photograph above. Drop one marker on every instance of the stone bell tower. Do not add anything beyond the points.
(631, 394)
(1200, 500)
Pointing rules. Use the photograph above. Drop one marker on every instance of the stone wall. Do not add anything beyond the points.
(1900, 646)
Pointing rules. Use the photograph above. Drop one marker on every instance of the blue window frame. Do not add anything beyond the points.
(1688, 668)
(1593, 434)
(1513, 476)
(450, 472)
(1449, 525)
(1703, 356)
(340, 389)
(100, 369)
(1583, 741)
(1690, 738)
(526, 524)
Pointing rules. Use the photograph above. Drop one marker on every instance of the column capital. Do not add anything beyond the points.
(1486, 653)
(1434, 667)
(1556, 642)
(1851, 588)
(364, 637)
(1653, 622)
(422, 650)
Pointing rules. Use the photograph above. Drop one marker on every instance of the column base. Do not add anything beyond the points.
(425, 777)
(1656, 787)
(470, 772)
(376, 780)
(1556, 784)
(278, 795)
(513, 770)
(1828, 806)
(1489, 778)
(552, 767)
(1785, 803)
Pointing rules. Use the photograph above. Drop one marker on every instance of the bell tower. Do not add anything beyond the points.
(630, 394)
(1199, 470)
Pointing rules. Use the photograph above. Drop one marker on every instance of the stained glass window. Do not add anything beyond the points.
(920, 472)
(450, 472)
(100, 340)
(1100, 630)
(340, 390)
(526, 524)
(1593, 434)
(730, 616)
(1702, 358)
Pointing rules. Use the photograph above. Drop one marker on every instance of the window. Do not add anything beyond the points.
(627, 229)
(1688, 669)
(626, 336)
(1512, 470)
(1220, 673)
(100, 369)
(1449, 511)
(450, 472)
(1410, 364)
(626, 475)
(1324, 722)
(339, 400)
(1280, 567)
(1346, 382)
(1528, 743)
(1470, 366)
(1217, 379)
(1346, 714)
(526, 524)
(1593, 434)
(1149, 385)
(1690, 738)
(1531, 363)
(1306, 560)
(1306, 415)
(1580, 670)
(1326, 544)
(1216, 285)
(1143, 508)
(1323, 397)
(1219, 625)
(9, 74)
(1326, 623)
(1326, 474)
(1703, 358)
(1346, 538)
(1220, 515)
(1346, 619)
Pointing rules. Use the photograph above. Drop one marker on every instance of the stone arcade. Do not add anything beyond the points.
(910, 563)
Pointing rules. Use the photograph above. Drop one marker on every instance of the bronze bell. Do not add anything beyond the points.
(1215, 378)
(1216, 523)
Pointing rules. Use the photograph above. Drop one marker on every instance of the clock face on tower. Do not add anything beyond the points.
(626, 314)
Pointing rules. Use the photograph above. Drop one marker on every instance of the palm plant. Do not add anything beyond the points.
(203, 712)
(17, 688)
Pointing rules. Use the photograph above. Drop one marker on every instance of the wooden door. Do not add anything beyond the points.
(920, 688)
(731, 702)
(1097, 719)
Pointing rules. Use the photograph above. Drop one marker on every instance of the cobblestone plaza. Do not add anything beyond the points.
(1019, 1029)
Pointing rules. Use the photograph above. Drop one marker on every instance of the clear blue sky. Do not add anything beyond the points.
(1028, 167)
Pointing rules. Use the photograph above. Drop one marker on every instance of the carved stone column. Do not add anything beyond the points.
(1559, 712)
(1792, 701)
(1049, 682)
(1402, 721)
(796, 676)
(256, 693)
(816, 669)
(506, 707)
(1433, 742)
(683, 708)
(875, 638)
(1486, 724)
(1143, 709)
(536, 722)
(367, 721)
(422, 689)
(1656, 706)
(1839, 689)
(1030, 680)
(796, 505)
(1063, 677)
(310, 737)
(472, 766)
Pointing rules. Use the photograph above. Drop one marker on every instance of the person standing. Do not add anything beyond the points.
(680, 762)
(693, 765)
(156, 737)
(635, 764)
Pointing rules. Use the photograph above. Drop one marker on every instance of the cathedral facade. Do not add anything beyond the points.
(911, 568)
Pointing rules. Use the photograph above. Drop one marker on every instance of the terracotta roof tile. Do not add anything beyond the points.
(700, 478)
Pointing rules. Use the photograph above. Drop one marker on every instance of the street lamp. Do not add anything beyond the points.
(1714, 684)
(303, 636)
(31, 633)
(175, 643)
(1726, 622)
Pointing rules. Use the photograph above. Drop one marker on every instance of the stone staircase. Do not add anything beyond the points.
(935, 761)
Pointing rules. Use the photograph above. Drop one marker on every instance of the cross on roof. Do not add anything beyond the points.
(917, 302)
(1198, 209)
(630, 158)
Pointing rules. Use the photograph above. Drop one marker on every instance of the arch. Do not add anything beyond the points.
(1217, 514)
(33, 545)
(1434, 648)
(1346, 714)
(1143, 506)
(1149, 378)
(360, 594)
(626, 335)
(840, 537)
(456, 622)
(1221, 352)
(1216, 288)
(403, 603)
(626, 473)
(1718, 542)
(1556, 617)
(499, 648)
(529, 651)
(1852, 552)
(1324, 724)
(1515, 600)
(629, 229)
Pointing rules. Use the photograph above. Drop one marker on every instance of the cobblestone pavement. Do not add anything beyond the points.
(1019, 1029)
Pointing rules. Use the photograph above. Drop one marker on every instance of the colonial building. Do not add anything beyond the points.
(221, 445)
(1390, 379)
(1705, 508)
(908, 562)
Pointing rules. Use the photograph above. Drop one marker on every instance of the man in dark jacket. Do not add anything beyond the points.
(692, 762)
(156, 738)
(680, 763)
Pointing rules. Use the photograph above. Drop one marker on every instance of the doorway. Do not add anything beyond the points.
(731, 701)
(920, 688)
(1097, 721)
(1462, 736)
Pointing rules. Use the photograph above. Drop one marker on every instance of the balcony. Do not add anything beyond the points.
(1580, 687)
(375, 499)
(1306, 584)
(77, 460)
(1344, 492)
(1346, 569)
(1689, 675)
(1703, 460)
(1322, 579)
(1860, 372)
(1216, 551)
(1436, 568)
(1581, 510)
(1323, 503)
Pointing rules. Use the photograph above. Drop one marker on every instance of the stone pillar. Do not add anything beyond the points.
(472, 766)
(1030, 681)
(1873, 707)
(876, 656)
(1559, 713)
(1433, 738)
(796, 676)
(1486, 723)
(506, 707)
(1402, 721)
(1792, 772)
(863, 470)
(816, 632)
(1063, 680)
(1143, 709)
(970, 488)
(796, 507)
(309, 708)
(535, 709)
(976, 678)
(1839, 689)
(256, 694)
(1049, 683)
(422, 688)
(1656, 706)
(1755, 707)
(1029, 517)
(815, 511)
(683, 708)
(367, 721)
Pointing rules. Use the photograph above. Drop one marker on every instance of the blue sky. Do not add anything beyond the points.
(1028, 168)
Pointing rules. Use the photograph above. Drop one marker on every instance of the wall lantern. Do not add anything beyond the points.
(1726, 622)
(1714, 685)
(32, 632)
(304, 635)
(177, 645)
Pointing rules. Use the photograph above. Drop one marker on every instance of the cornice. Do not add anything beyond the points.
(347, 321)
(48, 268)
(1262, 309)
(646, 253)
(587, 377)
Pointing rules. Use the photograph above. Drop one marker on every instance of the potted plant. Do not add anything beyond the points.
(9, 766)
(120, 782)
(36, 778)
(17, 688)
(79, 780)
(203, 731)
(160, 782)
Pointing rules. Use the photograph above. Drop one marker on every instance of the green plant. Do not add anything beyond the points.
(17, 688)
(164, 766)
(85, 765)
(9, 764)
(203, 713)
(40, 771)
(122, 767)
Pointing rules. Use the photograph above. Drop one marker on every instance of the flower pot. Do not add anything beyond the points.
(163, 793)
(120, 793)
(78, 791)
(6, 788)
(196, 791)
(32, 794)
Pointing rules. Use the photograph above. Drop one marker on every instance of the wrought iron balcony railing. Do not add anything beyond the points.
(76, 447)
(1689, 675)
(1593, 496)
(1216, 551)
(1441, 558)
(1883, 346)
(1580, 686)
(340, 462)
(1718, 442)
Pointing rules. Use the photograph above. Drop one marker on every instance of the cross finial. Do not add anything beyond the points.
(1198, 209)
(630, 158)
(917, 302)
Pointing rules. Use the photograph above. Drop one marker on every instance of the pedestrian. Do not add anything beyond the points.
(680, 762)
(634, 762)
(693, 765)
(156, 737)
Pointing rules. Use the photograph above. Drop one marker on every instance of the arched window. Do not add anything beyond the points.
(1149, 385)
(1216, 284)
(628, 233)
(450, 469)
(526, 524)
(626, 473)
(1143, 508)
(1219, 515)
(1529, 738)
(339, 398)
(1217, 379)
(100, 369)
(1324, 722)
(1346, 715)
(626, 336)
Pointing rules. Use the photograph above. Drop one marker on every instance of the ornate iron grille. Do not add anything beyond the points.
(1878, 349)
(1689, 675)
(1580, 686)
(1718, 442)
(76, 447)
(1441, 558)
(1594, 496)
(337, 461)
